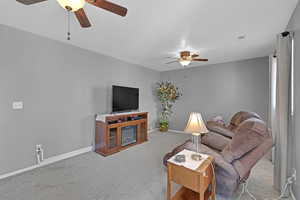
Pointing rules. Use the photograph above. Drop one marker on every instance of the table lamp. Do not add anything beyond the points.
(196, 127)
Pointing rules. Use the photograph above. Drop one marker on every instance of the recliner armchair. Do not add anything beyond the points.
(233, 164)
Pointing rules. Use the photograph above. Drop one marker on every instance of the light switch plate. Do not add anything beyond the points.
(17, 105)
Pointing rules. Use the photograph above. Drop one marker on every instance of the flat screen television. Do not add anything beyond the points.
(124, 99)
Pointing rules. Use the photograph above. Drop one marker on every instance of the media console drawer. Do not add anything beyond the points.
(128, 123)
(111, 138)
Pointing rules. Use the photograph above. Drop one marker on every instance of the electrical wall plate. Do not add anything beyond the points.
(295, 175)
(38, 147)
(17, 105)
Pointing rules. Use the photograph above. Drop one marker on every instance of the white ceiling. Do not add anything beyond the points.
(156, 29)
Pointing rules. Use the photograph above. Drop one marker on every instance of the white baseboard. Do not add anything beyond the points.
(57, 158)
(170, 130)
(176, 131)
(152, 130)
(49, 161)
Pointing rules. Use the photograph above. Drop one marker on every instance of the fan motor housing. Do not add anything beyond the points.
(69, 8)
(185, 54)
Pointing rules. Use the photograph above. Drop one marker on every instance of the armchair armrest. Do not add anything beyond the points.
(219, 128)
(244, 165)
(215, 141)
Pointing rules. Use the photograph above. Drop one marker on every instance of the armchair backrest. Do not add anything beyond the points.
(250, 143)
(230, 130)
(239, 117)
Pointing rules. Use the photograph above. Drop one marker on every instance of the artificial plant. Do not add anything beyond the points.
(167, 94)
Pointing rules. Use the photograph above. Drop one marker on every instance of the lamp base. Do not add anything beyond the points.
(196, 157)
(197, 136)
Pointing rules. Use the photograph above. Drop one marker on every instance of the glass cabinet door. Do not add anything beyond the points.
(112, 138)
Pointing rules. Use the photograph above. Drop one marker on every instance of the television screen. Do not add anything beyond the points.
(125, 99)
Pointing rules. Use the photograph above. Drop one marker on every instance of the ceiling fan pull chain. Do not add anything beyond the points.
(69, 29)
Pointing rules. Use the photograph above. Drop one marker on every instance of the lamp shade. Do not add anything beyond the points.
(195, 124)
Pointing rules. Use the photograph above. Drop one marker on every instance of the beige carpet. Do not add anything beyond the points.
(134, 174)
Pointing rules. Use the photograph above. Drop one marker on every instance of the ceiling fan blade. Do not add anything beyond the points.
(200, 59)
(82, 18)
(114, 8)
(172, 62)
(195, 55)
(170, 57)
(29, 2)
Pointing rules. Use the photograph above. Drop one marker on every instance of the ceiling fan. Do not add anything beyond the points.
(76, 6)
(186, 57)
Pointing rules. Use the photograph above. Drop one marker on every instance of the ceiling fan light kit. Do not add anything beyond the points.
(185, 63)
(71, 5)
(186, 57)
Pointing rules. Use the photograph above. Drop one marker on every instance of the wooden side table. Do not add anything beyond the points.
(196, 184)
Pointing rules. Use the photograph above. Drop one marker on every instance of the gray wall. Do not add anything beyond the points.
(62, 87)
(221, 89)
(294, 25)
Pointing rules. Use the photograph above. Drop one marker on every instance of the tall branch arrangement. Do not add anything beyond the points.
(167, 94)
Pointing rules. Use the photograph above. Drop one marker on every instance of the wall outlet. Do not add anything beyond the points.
(294, 175)
(38, 147)
(17, 105)
(39, 153)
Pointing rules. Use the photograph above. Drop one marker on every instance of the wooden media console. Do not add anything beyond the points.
(116, 132)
